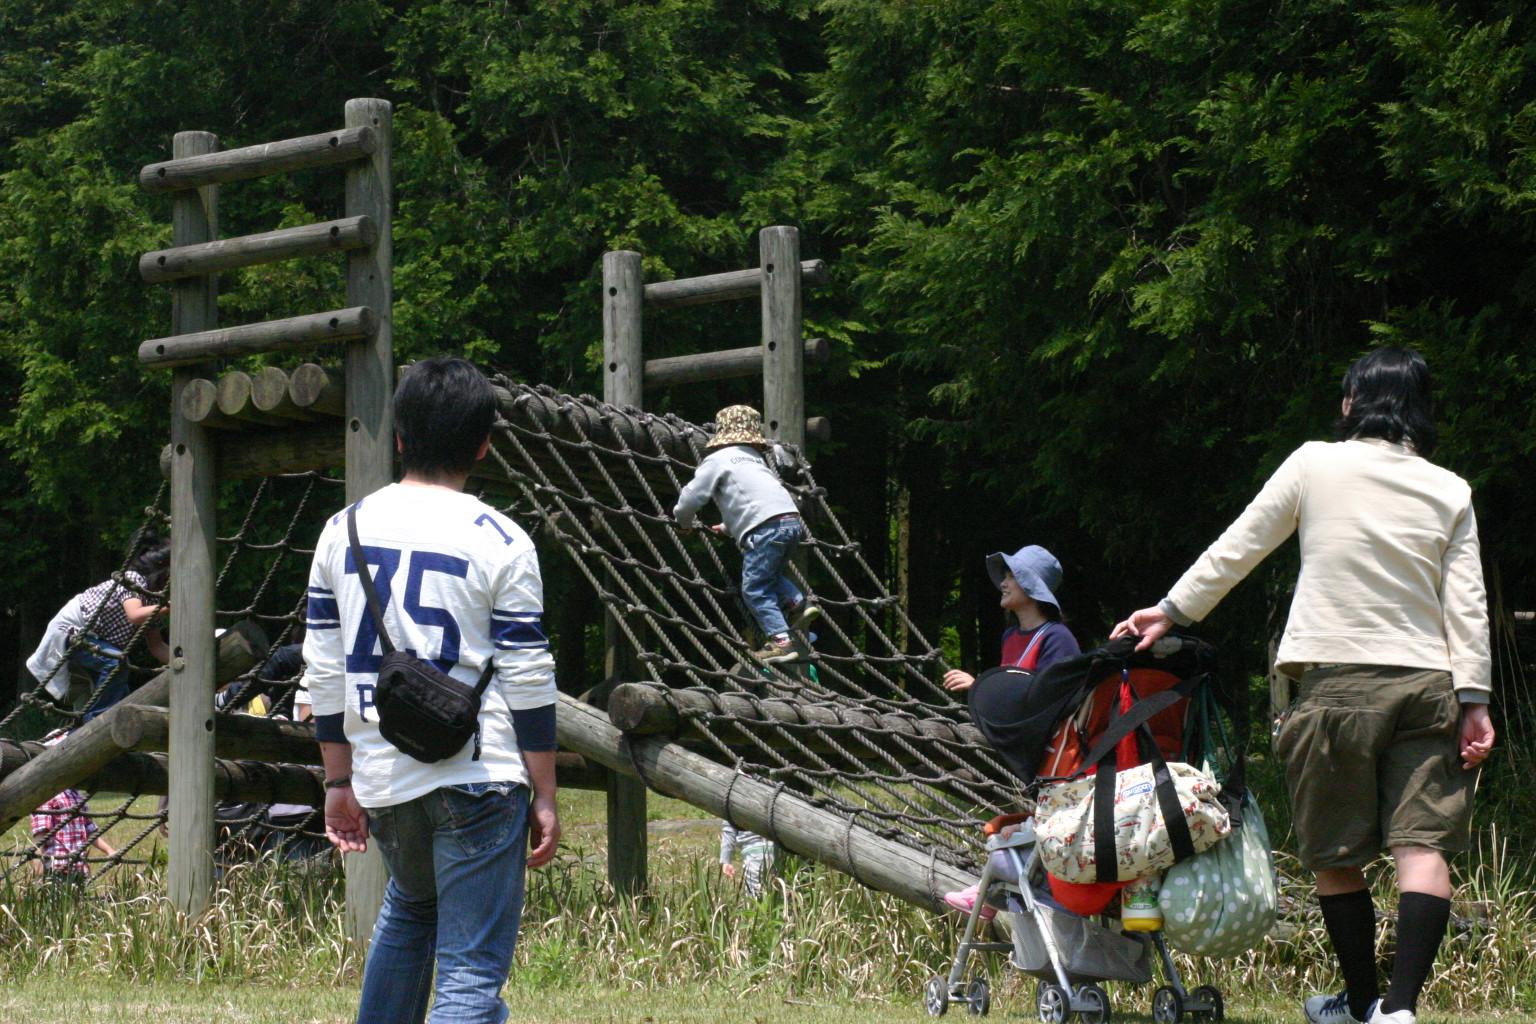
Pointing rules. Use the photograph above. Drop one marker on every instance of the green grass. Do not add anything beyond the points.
(822, 951)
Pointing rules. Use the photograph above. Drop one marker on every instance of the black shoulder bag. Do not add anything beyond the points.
(423, 711)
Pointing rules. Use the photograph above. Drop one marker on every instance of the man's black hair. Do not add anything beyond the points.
(443, 410)
(1391, 397)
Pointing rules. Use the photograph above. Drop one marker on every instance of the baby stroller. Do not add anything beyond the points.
(1069, 954)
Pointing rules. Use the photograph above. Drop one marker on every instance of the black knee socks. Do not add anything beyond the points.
(1351, 921)
(1421, 921)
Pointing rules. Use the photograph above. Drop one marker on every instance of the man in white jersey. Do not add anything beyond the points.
(459, 585)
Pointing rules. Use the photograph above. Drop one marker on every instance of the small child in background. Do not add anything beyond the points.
(758, 513)
(757, 856)
(63, 830)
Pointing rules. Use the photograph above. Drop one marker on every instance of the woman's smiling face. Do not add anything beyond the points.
(1013, 597)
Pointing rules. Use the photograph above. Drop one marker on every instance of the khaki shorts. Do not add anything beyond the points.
(1372, 759)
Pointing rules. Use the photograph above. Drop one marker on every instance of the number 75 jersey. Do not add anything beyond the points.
(459, 583)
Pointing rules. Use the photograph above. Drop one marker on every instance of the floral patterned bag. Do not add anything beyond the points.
(1136, 836)
(1118, 825)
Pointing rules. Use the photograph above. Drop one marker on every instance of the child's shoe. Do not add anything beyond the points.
(965, 900)
(1139, 910)
(776, 651)
(803, 614)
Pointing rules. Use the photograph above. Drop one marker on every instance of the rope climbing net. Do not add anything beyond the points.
(860, 727)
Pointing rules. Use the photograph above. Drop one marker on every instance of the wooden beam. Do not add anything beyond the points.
(321, 239)
(723, 365)
(194, 533)
(257, 161)
(370, 384)
(88, 748)
(647, 709)
(137, 773)
(783, 362)
(623, 368)
(736, 284)
(252, 339)
(767, 809)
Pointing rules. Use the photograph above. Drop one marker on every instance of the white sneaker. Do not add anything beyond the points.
(1330, 1010)
(1379, 1016)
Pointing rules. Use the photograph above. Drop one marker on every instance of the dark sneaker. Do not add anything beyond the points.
(777, 651)
(1330, 1010)
(803, 614)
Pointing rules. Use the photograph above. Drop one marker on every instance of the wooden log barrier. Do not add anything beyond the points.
(257, 161)
(89, 747)
(234, 393)
(736, 284)
(199, 402)
(251, 339)
(252, 738)
(252, 250)
(270, 395)
(136, 773)
(318, 388)
(645, 709)
(723, 365)
(769, 810)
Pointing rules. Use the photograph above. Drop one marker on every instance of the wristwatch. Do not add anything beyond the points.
(345, 782)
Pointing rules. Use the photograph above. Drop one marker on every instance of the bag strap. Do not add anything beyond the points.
(1140, 714)
(1105, 849)
(366, 578)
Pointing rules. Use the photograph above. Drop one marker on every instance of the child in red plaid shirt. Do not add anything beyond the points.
(63, 830)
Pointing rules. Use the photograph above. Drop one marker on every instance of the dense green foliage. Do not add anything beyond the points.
(1098, 266)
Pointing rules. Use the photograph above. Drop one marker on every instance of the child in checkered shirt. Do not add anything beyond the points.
(64, 830)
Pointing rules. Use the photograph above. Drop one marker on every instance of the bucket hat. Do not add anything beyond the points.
(737, 424)
(1036, 569)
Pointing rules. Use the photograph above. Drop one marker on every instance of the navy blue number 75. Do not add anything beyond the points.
(384, 563)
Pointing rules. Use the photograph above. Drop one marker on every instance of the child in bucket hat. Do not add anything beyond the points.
(1028, 579)
(759, 514)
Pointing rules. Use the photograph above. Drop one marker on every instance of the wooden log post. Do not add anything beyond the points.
(194, 502)
(768, 809)
(783, 345)
(623, 370)
(734, 284)
(234, 391)
(253, 250)
(200, 404)
(370, 374)
(338, 325)
(214, 168)
(90, 746)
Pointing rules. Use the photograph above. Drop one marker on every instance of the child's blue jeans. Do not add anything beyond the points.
(767, 591)
(106, 663)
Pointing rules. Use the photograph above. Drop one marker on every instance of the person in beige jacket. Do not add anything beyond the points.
(1388, 637)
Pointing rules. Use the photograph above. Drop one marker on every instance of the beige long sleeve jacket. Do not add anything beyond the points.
(1390, 567)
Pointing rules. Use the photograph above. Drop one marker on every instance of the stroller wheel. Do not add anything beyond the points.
(978, 997)
(1052, 1002)
(1096, 1010)
(936, 996)
(1211, 998)
(1168, 1005)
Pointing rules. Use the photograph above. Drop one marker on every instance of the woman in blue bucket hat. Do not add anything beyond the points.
(1028, 579)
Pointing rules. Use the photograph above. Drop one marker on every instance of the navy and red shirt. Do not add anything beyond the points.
(1035, 649)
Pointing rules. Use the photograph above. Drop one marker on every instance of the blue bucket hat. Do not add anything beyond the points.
(1036, 569)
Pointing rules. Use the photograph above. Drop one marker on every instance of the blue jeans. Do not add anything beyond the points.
(106, 663)
(456, 859)
(767, 591)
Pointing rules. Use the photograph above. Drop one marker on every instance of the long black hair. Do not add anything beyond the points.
(1390, 397)
(153, 562)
